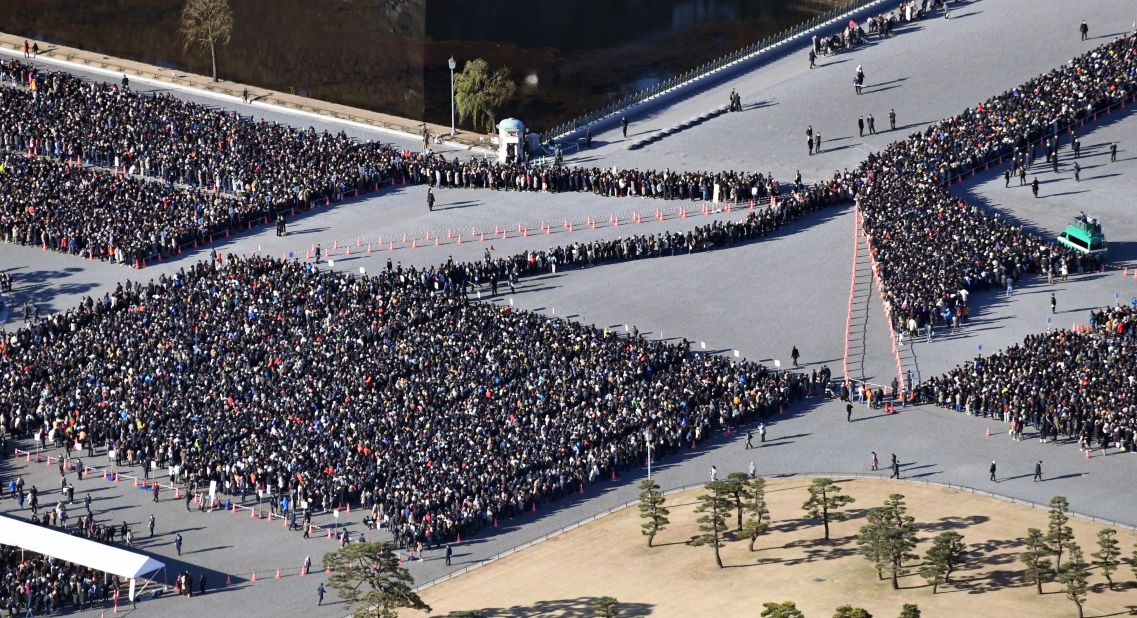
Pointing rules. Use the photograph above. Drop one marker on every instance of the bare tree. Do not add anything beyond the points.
(205, 23)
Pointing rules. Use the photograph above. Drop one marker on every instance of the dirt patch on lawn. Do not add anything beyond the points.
(565, 575)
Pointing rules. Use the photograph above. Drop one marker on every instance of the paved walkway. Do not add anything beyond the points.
(761, 298)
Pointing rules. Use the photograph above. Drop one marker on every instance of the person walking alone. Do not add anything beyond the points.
(1038, 471)
(320, 594)
(993, 479)
(1085, 30)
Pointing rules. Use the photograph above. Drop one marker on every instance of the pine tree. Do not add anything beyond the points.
(942, 557)
(825, 498)
(1074, 576)
(1058, 532)
(369, 574)
(714, 507)
(1133, 561)
(652, 510)
(871, 541)
(757, 513)
(607, 607)
(785, 609)
(848, 611)
(1034, 557)
(901, 537)
(889, 537)
(1108, 554)
(738, 490)
(910, 611)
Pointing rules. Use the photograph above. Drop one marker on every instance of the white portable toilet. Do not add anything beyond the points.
(511, 135)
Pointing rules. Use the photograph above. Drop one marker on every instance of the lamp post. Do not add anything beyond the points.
(452, 65)
(647, 437)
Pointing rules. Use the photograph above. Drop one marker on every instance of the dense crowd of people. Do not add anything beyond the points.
(82, 211)
(933, 248)
(219, 171)
(277, 378)
(33, 585)
(1082, 385)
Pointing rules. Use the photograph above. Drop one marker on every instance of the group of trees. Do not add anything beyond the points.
(887, 539)
(743, 496)
(740, 492)
(788, 609)
(1058, 541)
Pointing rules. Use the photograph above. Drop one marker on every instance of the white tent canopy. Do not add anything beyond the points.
(77, 550)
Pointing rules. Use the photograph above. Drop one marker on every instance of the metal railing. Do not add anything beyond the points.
(835, 475)
(704, 69)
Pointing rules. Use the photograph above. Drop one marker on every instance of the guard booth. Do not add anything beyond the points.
(510, 141)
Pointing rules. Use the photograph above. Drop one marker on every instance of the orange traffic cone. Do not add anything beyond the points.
(988, 432)
(254, 580)
(278, 574)
(1088, 456)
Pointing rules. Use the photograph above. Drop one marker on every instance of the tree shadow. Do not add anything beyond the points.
(952, 522)
(569, 608)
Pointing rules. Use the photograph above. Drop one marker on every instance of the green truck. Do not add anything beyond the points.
(1084, 236)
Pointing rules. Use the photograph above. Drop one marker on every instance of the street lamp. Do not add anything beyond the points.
(452, 64)
(647, 437)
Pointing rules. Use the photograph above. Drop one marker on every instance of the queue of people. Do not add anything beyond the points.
(286, 379)
(170, 173)
(1077, 384)
(933, 249)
